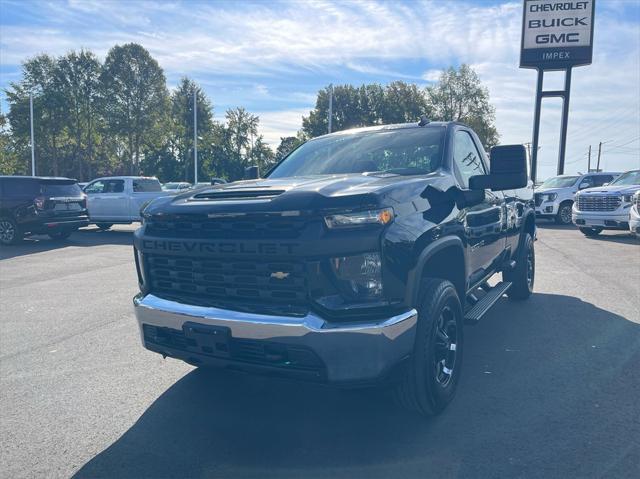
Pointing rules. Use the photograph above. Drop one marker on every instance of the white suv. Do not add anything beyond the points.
(607, 207)
(554, 197)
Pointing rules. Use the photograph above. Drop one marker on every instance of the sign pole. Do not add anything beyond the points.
(195, 139)
(565, 120)
(330, 119)
(33, 142)
(536, 126)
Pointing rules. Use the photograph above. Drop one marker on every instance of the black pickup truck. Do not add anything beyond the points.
(355, 261)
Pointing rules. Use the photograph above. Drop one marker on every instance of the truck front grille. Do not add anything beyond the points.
(599, 202)
(231, 227)
(227, 279)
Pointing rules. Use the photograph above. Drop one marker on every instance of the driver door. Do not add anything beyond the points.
(483, 223)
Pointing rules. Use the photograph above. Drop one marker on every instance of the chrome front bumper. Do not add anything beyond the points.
(618, 219)
(354, 352)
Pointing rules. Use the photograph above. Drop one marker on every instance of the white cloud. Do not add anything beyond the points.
(277, 124)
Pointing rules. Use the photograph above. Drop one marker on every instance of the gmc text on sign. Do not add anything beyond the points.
(557, 34)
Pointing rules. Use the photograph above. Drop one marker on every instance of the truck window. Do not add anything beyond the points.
(113, 186)
(466, 157)
(415, 151)
(601, 180)
(95, 187)
(146, 185)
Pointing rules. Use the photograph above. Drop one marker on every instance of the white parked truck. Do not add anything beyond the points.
(118, 199)
(554, 198)
(607, 207)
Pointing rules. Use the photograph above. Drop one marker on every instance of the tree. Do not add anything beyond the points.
(9, 157)
(77, 81)
(460, 96)
(182, 125)
(286, 146)
(367, 105)
(136, 99)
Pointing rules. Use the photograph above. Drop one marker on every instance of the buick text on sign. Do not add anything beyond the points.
(557, 34)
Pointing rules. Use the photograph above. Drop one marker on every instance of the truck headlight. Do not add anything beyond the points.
(550, 196)
(359, 276)
(350, 220)
(627, 198)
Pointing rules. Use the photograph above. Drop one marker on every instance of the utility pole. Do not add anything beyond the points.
(195, 137)
(589, 161)
(33, 143)
(599, 152)
(330, 106)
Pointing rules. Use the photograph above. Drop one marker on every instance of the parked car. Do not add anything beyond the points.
(40, 205)
(212, 182)
(118, 199)
(176, 186)
(354, 262)
(634, 215)
(554, 198)
(607, 207)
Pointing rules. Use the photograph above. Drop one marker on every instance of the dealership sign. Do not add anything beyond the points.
(557, 34)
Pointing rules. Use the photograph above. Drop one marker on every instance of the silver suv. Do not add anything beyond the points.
(554, 197)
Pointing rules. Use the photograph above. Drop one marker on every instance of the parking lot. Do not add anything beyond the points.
(550, 387)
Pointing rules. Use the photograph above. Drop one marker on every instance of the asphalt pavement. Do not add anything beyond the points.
(550, 386)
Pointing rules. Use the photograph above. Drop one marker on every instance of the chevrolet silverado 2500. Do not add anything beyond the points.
(355, 261)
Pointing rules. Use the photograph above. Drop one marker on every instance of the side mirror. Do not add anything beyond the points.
(605, 184)
(252, 172)
(584, 185)
(508, 170)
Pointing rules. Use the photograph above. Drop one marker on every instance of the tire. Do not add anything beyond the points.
(429, 383)
(523, 276)
(60, 235)
(104, 226)
(9, 232)
(564, 213)
(591, 231)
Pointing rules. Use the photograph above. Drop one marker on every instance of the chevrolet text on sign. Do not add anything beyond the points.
(557, 34)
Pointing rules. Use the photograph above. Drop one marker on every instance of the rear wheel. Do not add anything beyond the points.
(429, 383)
(104, 226)
(564, 213)
(591, 231)
(9, 232)
(60, 235)
(523, 275)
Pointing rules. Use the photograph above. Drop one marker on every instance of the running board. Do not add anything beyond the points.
(479, 309)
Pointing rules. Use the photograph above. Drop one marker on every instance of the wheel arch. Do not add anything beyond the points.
(444, 258)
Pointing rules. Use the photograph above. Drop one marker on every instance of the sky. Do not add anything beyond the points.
(272, 57)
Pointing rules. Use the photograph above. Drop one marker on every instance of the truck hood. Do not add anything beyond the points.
(301, 194)
(611, 189)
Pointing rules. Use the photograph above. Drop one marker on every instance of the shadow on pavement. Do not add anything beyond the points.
(90, 236)
(540, 377)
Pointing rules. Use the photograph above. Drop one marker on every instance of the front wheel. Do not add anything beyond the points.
(9, 232)
(592, 231)
(430, 381)
(564, 214)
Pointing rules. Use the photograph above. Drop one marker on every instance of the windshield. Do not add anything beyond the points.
(628, 178)
(559, 182)
(403, 151)
(60, 189)
(171, 186)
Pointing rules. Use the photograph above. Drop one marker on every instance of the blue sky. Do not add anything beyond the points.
(273, 56)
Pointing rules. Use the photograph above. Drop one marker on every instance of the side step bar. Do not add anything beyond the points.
(481, 307)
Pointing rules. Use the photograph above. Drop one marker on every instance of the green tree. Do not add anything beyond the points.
(77, 82)
(286, 146)
(10, 163)
(460, 96)
(136, 99)
(38, 79)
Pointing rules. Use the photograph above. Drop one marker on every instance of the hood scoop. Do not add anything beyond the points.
(237, 195)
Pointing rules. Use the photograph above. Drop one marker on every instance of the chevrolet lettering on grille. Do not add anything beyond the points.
(218, 248)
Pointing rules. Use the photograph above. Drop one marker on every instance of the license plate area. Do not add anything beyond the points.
(209, 339)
